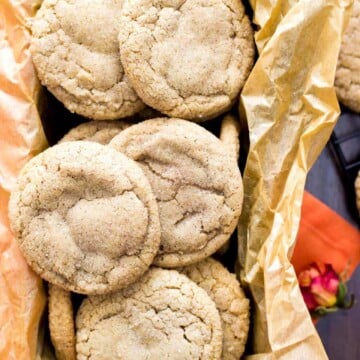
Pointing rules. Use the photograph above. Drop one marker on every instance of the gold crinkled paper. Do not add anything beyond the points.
(291, 109)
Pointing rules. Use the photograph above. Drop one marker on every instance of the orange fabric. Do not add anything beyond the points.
(326, 237)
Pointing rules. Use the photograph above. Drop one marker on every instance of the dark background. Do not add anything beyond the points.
(329, 182)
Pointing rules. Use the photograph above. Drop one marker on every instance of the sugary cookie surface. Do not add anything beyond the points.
(61, 322)
(162, 316)
(85, 217)
(230, 300)
(186, 58)
(76, 54)
(347, 80)
(101, 132)
(196, 182)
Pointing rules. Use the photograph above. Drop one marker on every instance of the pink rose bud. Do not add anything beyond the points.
(319, 285)
(323, 290)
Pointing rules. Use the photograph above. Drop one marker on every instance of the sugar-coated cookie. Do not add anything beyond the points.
(164, 315)
(85, 217)
(186, 58)
(196, 182)
(347, 79)
(230, 300)
(61, 323)
(101, 132)
(75, 51)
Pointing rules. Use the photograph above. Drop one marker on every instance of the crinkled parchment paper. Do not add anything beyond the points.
(291, 109)
(22, 298)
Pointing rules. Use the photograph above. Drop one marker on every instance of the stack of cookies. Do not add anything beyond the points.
(109, 221)
(129, 214)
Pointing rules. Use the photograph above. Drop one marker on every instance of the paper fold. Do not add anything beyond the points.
(291, 109)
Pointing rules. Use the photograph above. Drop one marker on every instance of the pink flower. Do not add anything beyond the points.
(323, 290)
(319, 285)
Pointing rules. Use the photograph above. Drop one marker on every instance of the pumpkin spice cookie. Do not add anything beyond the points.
(229, 135)
(101, 132)
(61, 323)
(186, 58)
(162, 316)
(197, 186)
(347, 79)
(76, 54)
(85, 217)
(224, 289)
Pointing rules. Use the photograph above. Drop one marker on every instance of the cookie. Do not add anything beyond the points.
(229, 135)
(75, 51)
(357, 191)
(61, 323)
(186, 58)
(347, 79)
(224, 289)
(101, 132)
(85, 217)
(197, 185)
(162, 316)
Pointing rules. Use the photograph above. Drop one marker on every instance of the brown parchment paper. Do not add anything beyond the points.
(291, 109)
(21, 295)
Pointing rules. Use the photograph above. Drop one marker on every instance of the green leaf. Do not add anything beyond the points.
(342, 290)
(322, 311)
(342, 301)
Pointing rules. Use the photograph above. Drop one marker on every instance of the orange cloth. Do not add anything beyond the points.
(326, 237)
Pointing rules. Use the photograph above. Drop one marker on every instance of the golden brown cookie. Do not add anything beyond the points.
(197, 187)
(61, 323)
(101, 132)
(85, 217)
(347, 80)
(357, 191)
(186, 58)
(229, 135)
(162, 316)
(224, 289)
(76, 54)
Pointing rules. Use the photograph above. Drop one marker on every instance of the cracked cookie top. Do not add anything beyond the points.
(85, 217)
(347, 79)
(101, 132)
(76, 54)
(224, 289)
(162, 316)
(61, 323)
(196, 182)
(186, 58)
